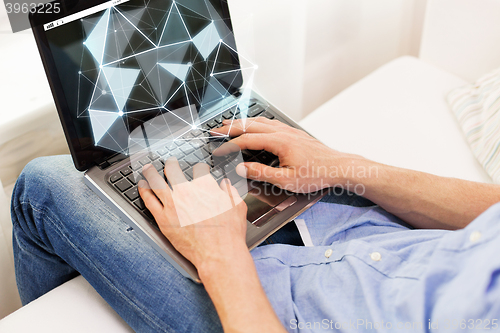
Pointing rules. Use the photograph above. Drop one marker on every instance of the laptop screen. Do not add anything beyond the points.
(124, 62)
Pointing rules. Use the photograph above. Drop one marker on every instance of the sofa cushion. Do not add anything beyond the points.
(8, 290)
(398, 115)
(477, 108)
(73, 307)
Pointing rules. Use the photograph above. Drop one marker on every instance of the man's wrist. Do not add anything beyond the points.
(224, 261)
(354, 170)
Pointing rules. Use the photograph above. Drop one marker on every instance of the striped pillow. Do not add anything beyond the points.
(477, 108)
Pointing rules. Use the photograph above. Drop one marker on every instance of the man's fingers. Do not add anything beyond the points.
(262, 120)
(270, 142)
(227, 148)
(200, 170)
(265, 173)
(238, 127)
(156, 183)
(173, 172)
(150, 200)
(231, 191)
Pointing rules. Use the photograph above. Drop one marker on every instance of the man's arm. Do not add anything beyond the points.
(424, 200)
(207, 223)
(235, 289)
(306, 165)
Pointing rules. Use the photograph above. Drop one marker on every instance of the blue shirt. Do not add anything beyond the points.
(369, 272)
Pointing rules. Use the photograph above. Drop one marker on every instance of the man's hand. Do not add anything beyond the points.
(306, 165)
(423, 200)
(203, 220)
(207, 223)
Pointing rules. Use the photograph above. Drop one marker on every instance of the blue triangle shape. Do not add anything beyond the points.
(121, 81)
(175, 30)
(199, 7)
(97, 38)
(207, 40)
(178, 70)
(101, 123)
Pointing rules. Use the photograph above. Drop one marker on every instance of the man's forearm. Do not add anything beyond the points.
(234, 287)
(425, 200)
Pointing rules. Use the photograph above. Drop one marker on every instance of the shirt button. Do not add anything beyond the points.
(475, 236)
(328, 253)
(375, 256)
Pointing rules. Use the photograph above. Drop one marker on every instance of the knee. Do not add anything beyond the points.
(41, 176)
(49, 165)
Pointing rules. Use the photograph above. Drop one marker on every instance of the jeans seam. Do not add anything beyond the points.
(44, 211)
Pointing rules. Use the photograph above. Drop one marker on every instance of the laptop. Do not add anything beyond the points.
(136, 82)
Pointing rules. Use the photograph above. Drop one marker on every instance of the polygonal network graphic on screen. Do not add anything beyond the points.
(145, 59)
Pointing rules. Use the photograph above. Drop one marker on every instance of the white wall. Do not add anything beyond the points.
(461, 37)
(308, 51)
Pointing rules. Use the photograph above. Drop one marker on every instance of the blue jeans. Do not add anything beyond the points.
(62, 229)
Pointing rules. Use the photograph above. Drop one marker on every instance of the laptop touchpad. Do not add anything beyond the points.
(264, 201)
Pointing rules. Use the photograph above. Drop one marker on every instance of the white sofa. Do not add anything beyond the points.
(397, 115)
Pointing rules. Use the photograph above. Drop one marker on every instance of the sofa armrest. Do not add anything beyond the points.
(73, 307)
(8, 290)
(37, 134)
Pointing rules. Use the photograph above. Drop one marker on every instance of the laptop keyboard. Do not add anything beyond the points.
(194, 147)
